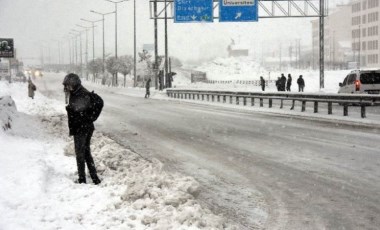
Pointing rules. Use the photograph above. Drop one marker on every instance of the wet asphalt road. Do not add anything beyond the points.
(258, 170)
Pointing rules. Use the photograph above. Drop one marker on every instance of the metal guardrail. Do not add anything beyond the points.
(346, 100)
(241, 82)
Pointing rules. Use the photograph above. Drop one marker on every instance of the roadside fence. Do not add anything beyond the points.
(345, 100)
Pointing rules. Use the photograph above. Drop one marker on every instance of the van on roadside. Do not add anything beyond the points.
(361, 81)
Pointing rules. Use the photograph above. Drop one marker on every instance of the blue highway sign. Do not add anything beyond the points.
(238, 10)
(193, 11)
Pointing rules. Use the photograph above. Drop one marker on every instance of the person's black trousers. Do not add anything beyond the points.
(83, 155)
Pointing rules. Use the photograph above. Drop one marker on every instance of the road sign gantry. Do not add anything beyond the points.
(267, 9)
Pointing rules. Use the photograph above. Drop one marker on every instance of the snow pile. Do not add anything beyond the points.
(39, 169)
(7, 112)
(232, 68)
(41, 105)
(182, 77)
(146, 196)
(238, 70)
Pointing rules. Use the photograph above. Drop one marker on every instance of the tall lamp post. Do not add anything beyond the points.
(75, 48)
(167, 83)
(115, 3)
(93, 35)
(80, 50)
(360, 58)
(134, 43)
(86, 29)
(103, 14)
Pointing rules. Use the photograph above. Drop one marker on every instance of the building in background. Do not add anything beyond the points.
(365, 33)
(338, 39)
(237, 50)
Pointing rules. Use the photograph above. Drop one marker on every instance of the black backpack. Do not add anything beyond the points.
(96, 106)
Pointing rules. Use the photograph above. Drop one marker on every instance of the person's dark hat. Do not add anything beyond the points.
(72, 80)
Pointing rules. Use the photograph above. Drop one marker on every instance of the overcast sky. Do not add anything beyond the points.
(33, 23)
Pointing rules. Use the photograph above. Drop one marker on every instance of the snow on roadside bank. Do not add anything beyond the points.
(37, 189)
(8, 110)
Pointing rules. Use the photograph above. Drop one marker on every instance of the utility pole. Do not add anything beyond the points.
(299, 53)
(75, 48)
(116, 31)
(80, 52)
(313, 59)
(280, 56)
(166, 45)
(104, 52)
(291, 54)
(93, 35)
(134, 44)
(86, 54)
(321, 44)
(70, 62)
(334, 63)
(156, 69)
(359, 47)
(59, 54)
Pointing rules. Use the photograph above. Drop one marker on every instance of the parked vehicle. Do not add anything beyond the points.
(361, 81)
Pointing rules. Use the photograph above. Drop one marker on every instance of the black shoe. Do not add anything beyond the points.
(80, 181)
(96, 181)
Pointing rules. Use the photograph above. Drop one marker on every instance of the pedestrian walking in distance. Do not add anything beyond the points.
(147, 87)
(301, 84)
(262, 83)
(31, 88)
(83, 109)
(282, 82)
(289, 82)
(278, 84)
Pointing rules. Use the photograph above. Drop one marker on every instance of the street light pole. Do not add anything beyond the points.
(166, 47)
(321, 44)
(80, 53)
(116, 30)
(93, 35)
(102, 14)
(75, 48)
(134, 43)
(86, 29)
(359, 46)
(155, 45)
(69, 52)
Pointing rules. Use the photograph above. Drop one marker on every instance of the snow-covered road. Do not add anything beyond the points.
(262, 171)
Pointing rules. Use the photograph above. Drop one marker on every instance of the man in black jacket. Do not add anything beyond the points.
(289, 82)
(282, 82)
(80, 125)
(147, 87)
(301, 84)
(262, 83)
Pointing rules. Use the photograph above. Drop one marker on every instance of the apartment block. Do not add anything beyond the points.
(338, 39)
(365, 32)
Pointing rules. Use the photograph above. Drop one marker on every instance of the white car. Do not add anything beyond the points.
(361, 81)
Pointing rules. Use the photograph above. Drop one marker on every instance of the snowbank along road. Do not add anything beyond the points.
(261, 171)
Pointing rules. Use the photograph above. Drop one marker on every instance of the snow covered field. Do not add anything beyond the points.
(38, 172)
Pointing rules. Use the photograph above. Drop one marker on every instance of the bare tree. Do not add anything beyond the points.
(146, 65)
(125, 66)
(95, 67)
(112, 66)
